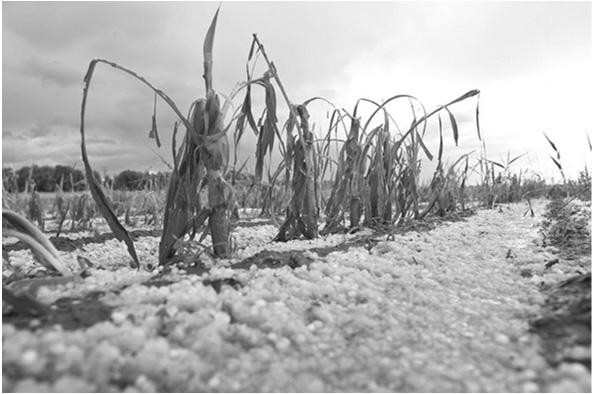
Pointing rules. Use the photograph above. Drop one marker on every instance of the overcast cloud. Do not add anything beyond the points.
(531, 61)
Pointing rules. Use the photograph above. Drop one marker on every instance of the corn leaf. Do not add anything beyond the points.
(477, 120)
(454, 126)
(251, 50)
(556, 163)
(247, 103)
(269, 130)
(208, 47)
(153, 130)
(495, 163)
(426, 117)
(515, 159)
(36, 240)
(441, 146)
(100, 198)
(551, 143)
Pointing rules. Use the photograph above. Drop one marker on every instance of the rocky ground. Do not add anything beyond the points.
(489, 302)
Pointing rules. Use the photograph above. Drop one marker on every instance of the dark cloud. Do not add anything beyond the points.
(52, 72)
(59, 25)
(54, 126)
(7, 134)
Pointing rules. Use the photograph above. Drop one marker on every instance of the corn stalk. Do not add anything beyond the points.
(302, 214)
(204, 150)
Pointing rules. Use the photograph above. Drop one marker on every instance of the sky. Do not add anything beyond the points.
(530, 60)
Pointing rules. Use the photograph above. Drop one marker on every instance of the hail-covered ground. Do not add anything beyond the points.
(440, 310)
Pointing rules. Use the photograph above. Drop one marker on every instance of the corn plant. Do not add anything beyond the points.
(15, 225)
(199, 161)
(271, 196)
(447, 189)
(150, 207)
(346, 183)
(377, 174)
(557, 158)
(503, 187)
(82, 211)
(302, 213)
(35, 208)
(297, 152)
(61, 206)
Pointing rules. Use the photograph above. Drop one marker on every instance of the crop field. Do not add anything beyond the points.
(334, 268)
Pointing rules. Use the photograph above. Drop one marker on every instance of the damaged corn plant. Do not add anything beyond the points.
(375, 170)
(199, 162)
(297, 152)
(377, 178)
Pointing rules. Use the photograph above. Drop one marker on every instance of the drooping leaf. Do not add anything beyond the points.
(515, 159)
(35, 239)
(270, 100)
(495, 163)
(174, 146)
(441, 146)
(556, 163)
(477, 120)
(454, 126)
(247, 110)
(426, 117)
(100, 198)
(268, 130)
(251, 50)
(551, 142)
(153, 130)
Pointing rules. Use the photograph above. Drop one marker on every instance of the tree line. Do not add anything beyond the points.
(52, 178)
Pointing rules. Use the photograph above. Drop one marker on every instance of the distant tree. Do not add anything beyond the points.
(44, 178)
(22, 174)
(9, 180)
(62, 174)
(129, 180)
(72, 178)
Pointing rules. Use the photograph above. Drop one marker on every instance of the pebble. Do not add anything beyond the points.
(118, 317)
(283, 344)
(567, 386)
(501, 338)
(531, 387)
(519, 363)
(529, 374)
(575, 370)
(578, 353)
(32, 363)
(416, 316)
(300, 339)
(145, 385)
(29, 385)
(214, 381)
(71, 384)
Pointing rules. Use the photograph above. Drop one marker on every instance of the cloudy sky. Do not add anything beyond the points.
(530, 60)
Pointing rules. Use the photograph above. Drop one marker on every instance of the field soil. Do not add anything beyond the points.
(475, 303)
